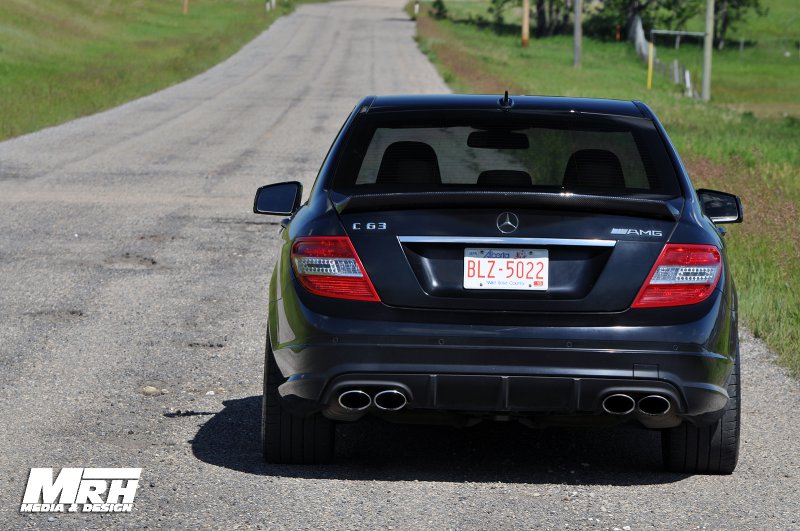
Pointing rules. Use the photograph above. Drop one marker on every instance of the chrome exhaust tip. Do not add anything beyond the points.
(355, 400)
(390, 400)
(618, 404)
(654, 405)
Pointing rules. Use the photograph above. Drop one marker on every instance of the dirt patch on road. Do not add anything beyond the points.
(131, 261)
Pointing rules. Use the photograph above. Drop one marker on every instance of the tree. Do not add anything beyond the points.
(671, 14)
(674, 14)
(728, 13)
(627, 10)
(552, 16)
(497, 9)
(439, 9)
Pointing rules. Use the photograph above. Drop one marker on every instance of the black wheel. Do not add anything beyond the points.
(288, 438)
(712, 449)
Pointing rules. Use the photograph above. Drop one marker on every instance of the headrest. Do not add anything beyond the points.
(409, 163)
(593, 168)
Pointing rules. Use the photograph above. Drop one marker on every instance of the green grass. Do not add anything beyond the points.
(60, 59)
(758, 80)
(756, 158)
(782, 21)
(761, 79)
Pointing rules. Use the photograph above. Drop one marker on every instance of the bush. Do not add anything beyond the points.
(439, 9)
(603, 26)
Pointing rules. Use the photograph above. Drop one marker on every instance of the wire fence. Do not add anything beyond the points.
(786, 48)
(673, 70)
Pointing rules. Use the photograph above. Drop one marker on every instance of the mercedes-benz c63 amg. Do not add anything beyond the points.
(464, 258)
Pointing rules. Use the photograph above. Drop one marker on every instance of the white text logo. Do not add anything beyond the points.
(87, 490)
(637, 232)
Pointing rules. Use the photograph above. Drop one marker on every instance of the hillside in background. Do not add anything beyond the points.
(763, 78)
(780, 24)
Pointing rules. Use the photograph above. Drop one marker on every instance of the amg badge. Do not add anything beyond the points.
(637, 232)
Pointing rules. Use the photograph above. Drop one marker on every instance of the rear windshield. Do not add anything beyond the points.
(415, 151)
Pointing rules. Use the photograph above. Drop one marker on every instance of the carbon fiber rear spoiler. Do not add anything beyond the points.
(653, 208)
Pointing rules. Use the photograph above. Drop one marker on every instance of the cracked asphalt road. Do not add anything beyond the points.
(129, 259)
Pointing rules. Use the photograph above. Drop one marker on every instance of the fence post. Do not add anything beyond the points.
(688, 80)
(708, 45)
(526, 22)
(650, 66)
(578, 34)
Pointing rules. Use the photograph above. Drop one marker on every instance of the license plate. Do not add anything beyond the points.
(518, 269)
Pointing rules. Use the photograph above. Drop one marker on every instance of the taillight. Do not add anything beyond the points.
(329, 266)
(683, 274)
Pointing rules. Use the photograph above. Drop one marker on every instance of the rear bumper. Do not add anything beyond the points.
(495, 370)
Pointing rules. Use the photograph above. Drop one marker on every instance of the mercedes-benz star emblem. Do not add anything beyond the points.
(507, 222)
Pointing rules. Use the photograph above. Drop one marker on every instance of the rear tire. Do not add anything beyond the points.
(712, 449)
(287, 438)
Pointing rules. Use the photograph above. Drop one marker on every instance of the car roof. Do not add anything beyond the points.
(493, 102)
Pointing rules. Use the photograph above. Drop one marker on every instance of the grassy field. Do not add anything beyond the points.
(60, 59)
(761, 78)
(756, 158)
(782, 21)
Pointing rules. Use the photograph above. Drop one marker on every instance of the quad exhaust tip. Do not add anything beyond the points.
(618, 404)
(390, 400)
(355, 400)
(654, 405)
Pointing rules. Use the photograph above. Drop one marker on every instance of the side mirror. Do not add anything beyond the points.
(281, 199)
(721, 207)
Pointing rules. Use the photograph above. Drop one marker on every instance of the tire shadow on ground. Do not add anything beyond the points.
(509, 452)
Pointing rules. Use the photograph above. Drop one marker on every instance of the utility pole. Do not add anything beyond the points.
(578, 34)
(526, 22)
(708, 46)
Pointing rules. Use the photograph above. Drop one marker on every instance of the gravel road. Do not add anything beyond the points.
(129, 258)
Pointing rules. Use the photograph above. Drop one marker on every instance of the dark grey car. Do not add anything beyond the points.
(467, 258)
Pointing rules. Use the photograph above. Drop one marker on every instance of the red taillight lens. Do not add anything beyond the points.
(683, 274)
(329, 266)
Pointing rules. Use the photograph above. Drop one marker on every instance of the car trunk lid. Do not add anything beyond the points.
(598, 255)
